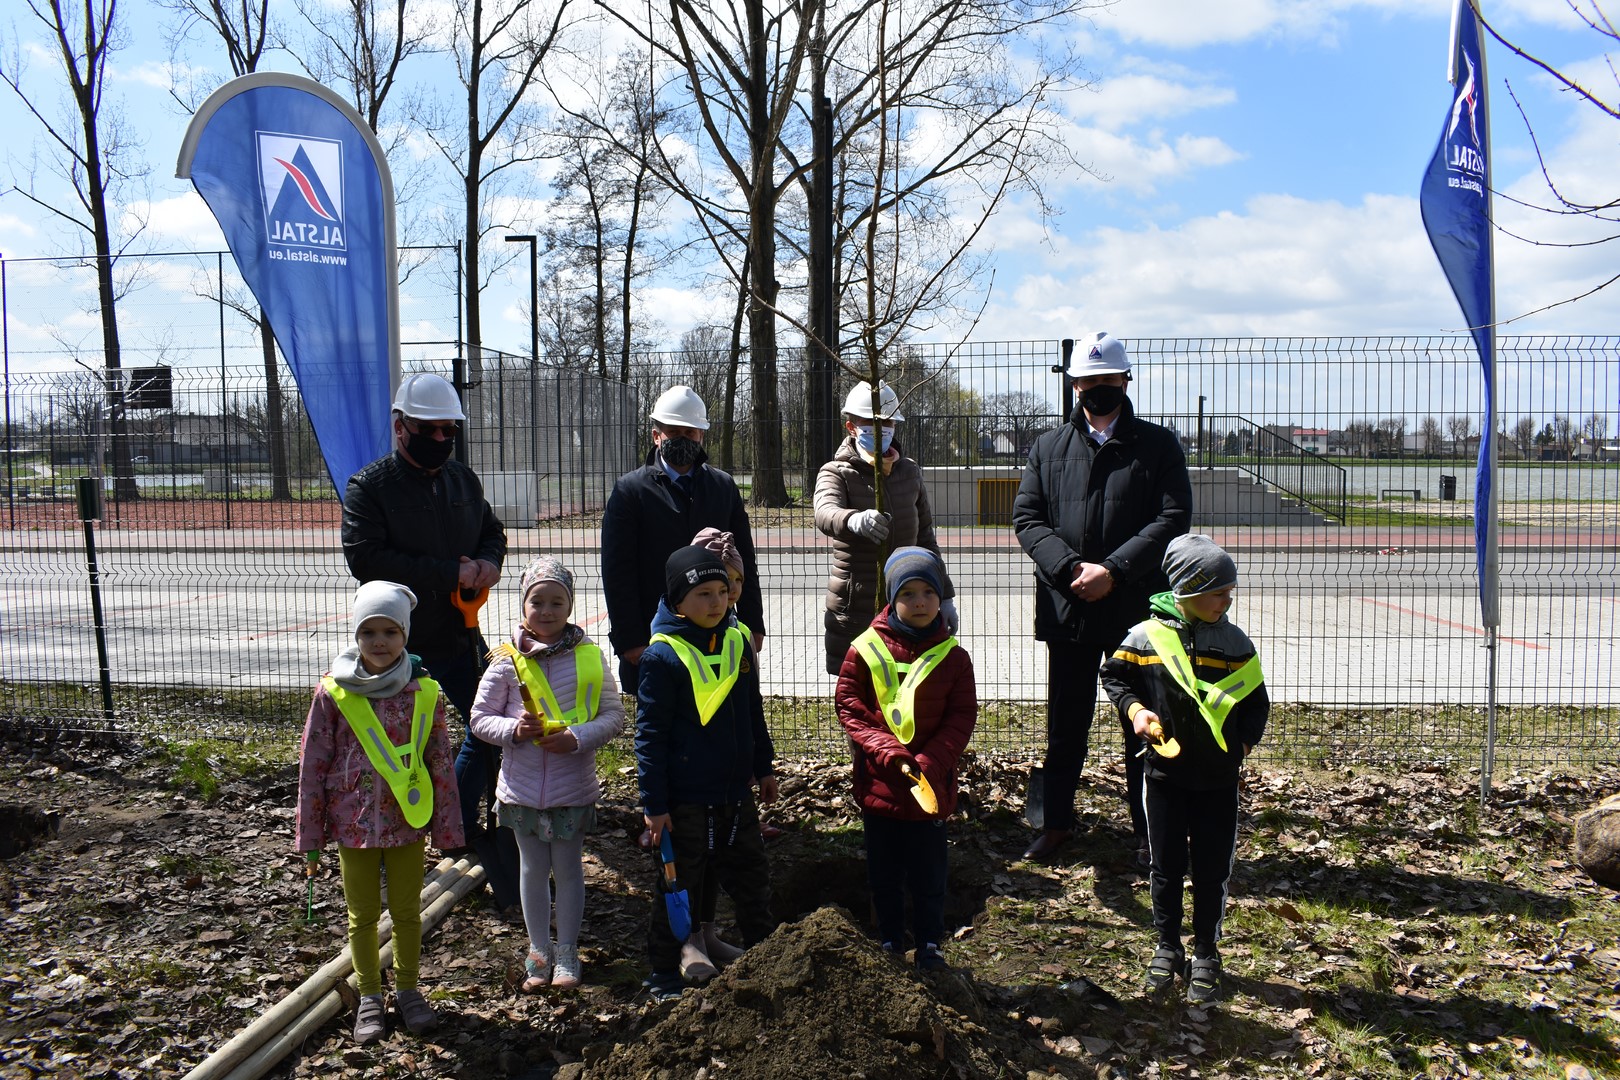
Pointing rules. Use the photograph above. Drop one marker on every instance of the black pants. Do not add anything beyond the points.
(902, 855)
(724, 842)
(1197, 828)
(1071, 703)
(477, 762)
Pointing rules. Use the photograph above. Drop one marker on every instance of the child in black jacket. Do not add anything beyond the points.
(1189, 683)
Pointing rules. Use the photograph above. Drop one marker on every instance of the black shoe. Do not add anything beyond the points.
(1162, 970)
(929, 958)
(1204, 980)
(663, 985)
(1047, 844)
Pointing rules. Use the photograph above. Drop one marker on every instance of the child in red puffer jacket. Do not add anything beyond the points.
(906, 697)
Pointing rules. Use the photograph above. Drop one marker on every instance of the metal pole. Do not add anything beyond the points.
(89, 513)
(1201, 459)
(225, 435)
(534, 355)
(1067, 345)
(5, 347)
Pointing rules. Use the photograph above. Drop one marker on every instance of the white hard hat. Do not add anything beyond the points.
(859, 402)
(680, 406)
(1098, 353)
(428, 397)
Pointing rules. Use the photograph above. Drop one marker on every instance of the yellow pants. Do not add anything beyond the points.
(362, 891)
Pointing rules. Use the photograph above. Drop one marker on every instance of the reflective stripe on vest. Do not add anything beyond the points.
(411, 784)
(896, 683)
(587, 688)
(709, 688)
(1215, 700)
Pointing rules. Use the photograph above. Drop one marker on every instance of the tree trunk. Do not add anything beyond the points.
(769, 485)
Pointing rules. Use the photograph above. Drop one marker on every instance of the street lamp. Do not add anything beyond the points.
(534, 345)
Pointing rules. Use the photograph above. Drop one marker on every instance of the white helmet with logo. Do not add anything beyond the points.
(428, 397)
(680, 406)
(1098, 353)
(859, 402)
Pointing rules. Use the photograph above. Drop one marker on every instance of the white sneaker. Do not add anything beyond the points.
(566, 970)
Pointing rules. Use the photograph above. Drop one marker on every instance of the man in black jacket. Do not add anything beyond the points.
(1101, 498)
(660, 507)
(419, 517)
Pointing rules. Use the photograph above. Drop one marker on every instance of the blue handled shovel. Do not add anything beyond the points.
(675, 901)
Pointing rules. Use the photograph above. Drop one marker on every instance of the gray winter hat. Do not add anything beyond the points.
(383, 599)
(1195, 565)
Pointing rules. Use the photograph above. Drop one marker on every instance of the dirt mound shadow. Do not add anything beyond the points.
(819, 998)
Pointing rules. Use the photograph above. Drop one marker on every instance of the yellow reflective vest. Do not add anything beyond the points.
(895, 683)
(1215, 700)
(403, 767)
(587, 687)
(712, 676)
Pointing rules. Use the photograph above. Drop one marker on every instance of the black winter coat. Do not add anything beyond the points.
(646, 519)
(1119, 505)
(402, 524)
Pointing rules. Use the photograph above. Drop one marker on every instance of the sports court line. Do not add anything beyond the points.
(1446, 622)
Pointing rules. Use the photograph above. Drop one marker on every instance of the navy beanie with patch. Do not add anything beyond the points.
(909, 564)
(690, 567)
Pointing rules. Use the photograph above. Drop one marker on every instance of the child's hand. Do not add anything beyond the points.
(1143, 721)
(656, 825)
(559, 742)
(767, 790)
(529, 727)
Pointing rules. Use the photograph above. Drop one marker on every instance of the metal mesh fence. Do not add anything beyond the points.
(1339, 472)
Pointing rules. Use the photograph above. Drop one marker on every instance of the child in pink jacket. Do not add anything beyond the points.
(547, 790)
(375, 776)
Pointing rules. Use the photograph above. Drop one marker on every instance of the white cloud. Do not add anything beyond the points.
(1136, 164)
(1119, 101)
(183, 223)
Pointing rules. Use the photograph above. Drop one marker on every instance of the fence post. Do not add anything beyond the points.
(89, 512)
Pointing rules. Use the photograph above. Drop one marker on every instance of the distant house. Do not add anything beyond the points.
(1312, 440)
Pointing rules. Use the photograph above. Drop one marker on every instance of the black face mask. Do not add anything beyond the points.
(1101, 400)
(426, 451)
(681, 452)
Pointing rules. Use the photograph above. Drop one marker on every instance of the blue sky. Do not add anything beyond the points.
(1262, 156)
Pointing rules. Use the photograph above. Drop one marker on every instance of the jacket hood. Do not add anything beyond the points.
(666, 621)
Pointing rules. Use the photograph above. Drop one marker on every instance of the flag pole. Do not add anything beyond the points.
(1492, 567)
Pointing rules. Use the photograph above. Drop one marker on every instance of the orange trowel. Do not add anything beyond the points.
(921, 790)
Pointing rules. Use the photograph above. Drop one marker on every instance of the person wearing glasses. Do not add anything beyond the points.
(419, 517)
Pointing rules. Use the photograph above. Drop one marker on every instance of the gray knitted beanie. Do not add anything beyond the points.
(1195, 565)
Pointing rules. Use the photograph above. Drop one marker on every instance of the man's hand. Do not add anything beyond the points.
(1092, 581)
(476, 574)
(767, 790)
(759, 642)
(633, 656)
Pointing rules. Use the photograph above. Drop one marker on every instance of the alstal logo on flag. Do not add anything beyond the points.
(1464, 160)
(301, 178)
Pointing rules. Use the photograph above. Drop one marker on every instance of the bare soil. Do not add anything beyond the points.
(149, 915)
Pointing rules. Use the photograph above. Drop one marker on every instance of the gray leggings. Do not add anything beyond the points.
(544, 860)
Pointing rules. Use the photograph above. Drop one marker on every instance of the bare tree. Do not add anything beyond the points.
(1595, 428)
(1459, 429)
(1524, 434)
(97, 154)
(1606, 211)
(487, 139)
(1430, 440)
(1390, 435)
(1020, 414)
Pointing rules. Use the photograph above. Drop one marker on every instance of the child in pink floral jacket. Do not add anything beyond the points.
(375, 776)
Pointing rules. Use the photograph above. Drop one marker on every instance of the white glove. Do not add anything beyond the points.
(947, 610)
(871, 525)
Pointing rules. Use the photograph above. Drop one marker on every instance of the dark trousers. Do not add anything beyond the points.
(902, 855)
(1071, 703)
(722, 842)
(477, 762)
(1197, 828)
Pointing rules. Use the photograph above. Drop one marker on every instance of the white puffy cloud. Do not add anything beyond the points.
(1117, 101)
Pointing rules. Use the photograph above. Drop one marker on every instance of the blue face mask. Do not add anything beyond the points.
(864, 439)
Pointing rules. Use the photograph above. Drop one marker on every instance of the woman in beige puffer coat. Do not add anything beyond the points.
(845, 505)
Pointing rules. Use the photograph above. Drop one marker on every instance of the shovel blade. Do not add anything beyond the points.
(1035, 798)
(679, 910)
(922, 790)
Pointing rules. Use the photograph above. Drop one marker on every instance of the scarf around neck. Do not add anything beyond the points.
(533, 647)
(351, 674)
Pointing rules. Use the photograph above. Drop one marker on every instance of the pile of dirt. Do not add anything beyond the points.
(819, 998)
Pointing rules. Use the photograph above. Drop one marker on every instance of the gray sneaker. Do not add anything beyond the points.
(414, 1009)
(368, 1019)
